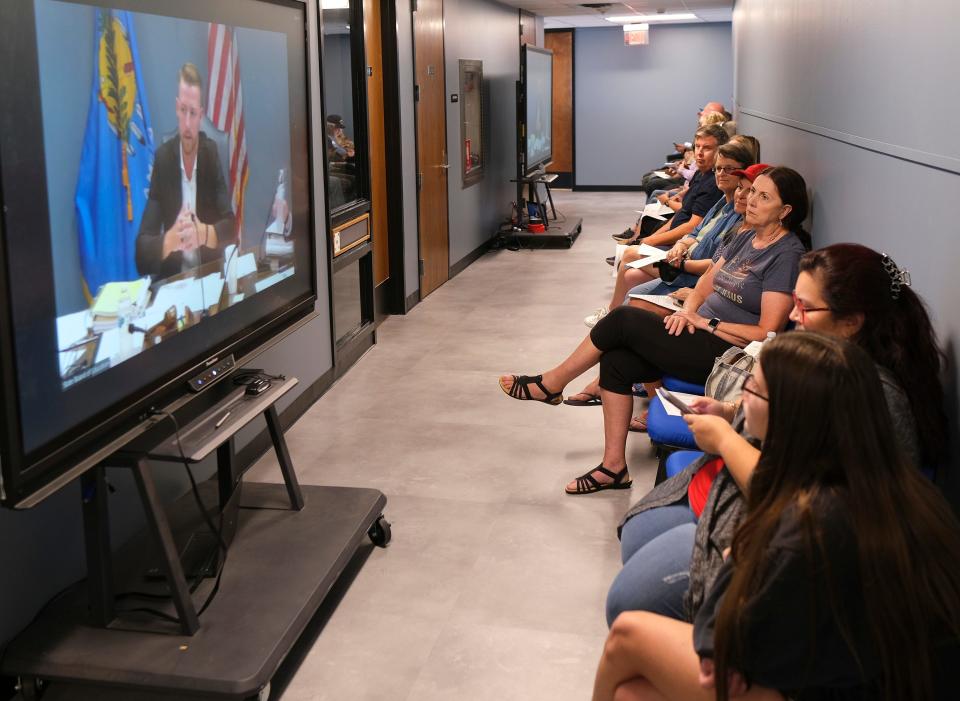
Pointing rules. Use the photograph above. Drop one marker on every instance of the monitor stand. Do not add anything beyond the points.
(291, 544)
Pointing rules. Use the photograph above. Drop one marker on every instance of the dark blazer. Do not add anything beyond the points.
(166, 198)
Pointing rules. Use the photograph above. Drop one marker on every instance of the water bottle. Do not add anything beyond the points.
(753, 348)
(125, 309)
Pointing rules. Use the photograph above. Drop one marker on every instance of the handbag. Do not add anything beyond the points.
(668, 273)
(730, 371)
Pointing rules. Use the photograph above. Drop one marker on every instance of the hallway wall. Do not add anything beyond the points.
(487, 31)
(632, 102)
(861, 99)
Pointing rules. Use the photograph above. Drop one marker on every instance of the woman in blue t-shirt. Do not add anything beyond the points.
(742, 297)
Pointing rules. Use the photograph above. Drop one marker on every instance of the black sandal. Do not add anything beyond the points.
(521, 389)
(588, 484)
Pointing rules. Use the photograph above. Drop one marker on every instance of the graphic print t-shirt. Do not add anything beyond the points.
(747, 273)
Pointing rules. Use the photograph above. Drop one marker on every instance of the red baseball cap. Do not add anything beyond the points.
(752, 172)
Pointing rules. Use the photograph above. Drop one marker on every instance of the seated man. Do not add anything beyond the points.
(699, 197)
(651, 181)
(188, 219)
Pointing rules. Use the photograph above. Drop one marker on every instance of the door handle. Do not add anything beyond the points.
(445, 166)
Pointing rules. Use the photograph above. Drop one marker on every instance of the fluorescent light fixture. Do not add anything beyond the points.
(335, 4)
(666, 17)
(636, 27)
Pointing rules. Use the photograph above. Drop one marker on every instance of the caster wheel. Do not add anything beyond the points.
(379, 532)
(262, 695)
(30, 688)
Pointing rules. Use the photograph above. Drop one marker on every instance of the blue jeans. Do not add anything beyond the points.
(655, 546)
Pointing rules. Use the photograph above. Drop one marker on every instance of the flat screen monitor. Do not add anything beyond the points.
(537, 84)
(157, 213)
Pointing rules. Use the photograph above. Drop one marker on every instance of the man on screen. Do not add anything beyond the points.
(188, 219)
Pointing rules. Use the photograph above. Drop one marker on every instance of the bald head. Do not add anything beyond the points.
(713, 107)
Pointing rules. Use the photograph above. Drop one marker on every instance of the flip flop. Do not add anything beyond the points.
(638, 424)
(594, 400)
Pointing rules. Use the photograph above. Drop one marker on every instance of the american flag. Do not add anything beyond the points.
(225, 108)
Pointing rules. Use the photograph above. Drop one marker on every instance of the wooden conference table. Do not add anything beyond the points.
(89, 345)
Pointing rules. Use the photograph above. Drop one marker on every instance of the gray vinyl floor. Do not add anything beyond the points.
(493, 587)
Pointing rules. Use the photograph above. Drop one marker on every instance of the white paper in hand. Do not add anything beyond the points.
(650, 256)
(683, 397)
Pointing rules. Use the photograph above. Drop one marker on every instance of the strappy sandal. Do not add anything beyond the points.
(521, 390)
(588, 484)
(593, 400)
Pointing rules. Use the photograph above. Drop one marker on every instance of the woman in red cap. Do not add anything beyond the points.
(742, 297)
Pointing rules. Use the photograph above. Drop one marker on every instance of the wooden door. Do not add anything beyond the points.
(432, 165)
(376, 140)
(561, 43)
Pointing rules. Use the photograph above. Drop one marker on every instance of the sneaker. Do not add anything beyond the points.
(627, 235)
(592, 320)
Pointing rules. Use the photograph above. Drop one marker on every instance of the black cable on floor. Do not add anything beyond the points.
(215, 530)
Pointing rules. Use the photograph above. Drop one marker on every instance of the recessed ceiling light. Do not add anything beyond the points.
(677, 16)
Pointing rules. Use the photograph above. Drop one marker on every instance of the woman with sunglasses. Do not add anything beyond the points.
(843, 580)
(848, 291)
(705, 239)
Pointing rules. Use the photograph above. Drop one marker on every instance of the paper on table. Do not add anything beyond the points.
(212, 287)
(181, 294)
(117, 349)
(71, 328)
(683, 397)
(246, 265)
(273, 279)
(665, 301)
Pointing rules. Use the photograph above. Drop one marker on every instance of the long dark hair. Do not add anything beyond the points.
(828, 431)
(896, 330)
(792, 189)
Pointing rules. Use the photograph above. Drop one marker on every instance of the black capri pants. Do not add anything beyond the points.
(637, 348)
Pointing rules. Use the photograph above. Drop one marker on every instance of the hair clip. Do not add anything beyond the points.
(898, 276)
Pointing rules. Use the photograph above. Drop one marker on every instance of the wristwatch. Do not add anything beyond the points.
(713, 324)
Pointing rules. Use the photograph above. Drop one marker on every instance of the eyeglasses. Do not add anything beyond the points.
(726, 169)
(805, 310)
(746, 388)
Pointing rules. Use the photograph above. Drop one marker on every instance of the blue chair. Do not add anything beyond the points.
(668, 434)
(677, 461)
(677, 385)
